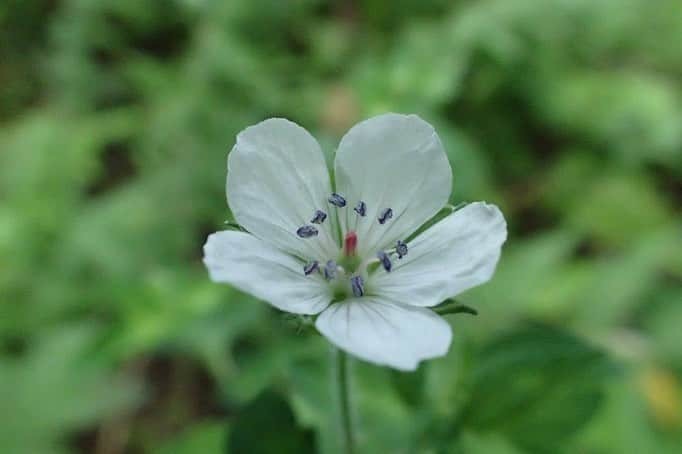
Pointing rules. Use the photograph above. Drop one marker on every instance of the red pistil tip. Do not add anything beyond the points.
(350, 244)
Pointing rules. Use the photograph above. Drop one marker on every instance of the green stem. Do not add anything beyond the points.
(344, 402)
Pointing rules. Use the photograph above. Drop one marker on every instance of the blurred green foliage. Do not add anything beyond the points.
(115, 120)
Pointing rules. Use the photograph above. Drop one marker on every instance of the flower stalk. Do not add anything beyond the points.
(342, 386)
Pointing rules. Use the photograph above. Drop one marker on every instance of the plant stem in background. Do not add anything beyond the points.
(342, 387)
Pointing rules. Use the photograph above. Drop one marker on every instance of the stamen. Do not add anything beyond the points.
(337, 200)
(385, 260)
(357, 285)
(361, 208)
(311, 267)
(385, 216)
(306, 231)
(401, 249)
(330, 270)
(350, 244)
(319, 217)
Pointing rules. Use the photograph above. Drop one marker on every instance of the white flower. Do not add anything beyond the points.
(343, 253)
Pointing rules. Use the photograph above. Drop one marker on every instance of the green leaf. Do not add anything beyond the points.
(475, 443)
(314, 401)
(206, 437)
(267, 426)
(54, 389)
(536, 385)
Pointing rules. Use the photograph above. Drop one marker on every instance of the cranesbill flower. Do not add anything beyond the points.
(346, 253)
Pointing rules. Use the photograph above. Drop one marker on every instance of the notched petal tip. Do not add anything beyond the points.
(490, 214)
(269, 123)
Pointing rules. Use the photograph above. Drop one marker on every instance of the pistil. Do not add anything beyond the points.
(350, 244)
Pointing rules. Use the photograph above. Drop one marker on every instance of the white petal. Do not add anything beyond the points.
(385, 333)
(277, 178)
(459, 252)
(391, 161)
(256, 267)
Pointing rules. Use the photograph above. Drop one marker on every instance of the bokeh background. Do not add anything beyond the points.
(116, 117)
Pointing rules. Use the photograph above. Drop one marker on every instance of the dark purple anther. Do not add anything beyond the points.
(361, 208)
(337, 200)
(357, 285)
(319, 217)
(311, 267)
(330, 270)
(385, 260)
(401, 249)
(306, 231)
(385, 215)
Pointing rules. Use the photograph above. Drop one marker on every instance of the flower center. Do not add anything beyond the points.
(347, 274)
(350, 260)
(350, 243)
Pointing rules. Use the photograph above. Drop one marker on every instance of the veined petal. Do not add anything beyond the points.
(256, 267)
(391, 161)
(277, 179)
(459, 252)
(385, 333)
